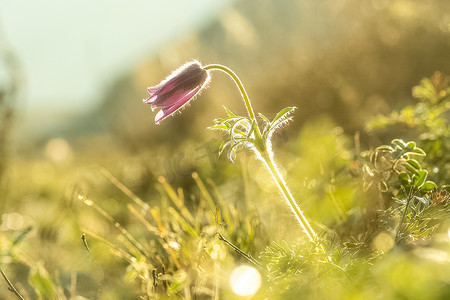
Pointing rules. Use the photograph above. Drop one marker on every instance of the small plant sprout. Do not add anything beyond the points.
(253, 132)
(397, 159)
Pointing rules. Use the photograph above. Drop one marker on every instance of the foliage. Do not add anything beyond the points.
(241, 130)
(387, 161)
(428, 120)
(183, 241)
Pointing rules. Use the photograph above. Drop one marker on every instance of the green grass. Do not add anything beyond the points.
(160, 224)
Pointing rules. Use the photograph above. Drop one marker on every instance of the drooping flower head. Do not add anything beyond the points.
(177, 89)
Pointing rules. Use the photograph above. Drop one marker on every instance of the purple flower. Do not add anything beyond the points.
(178, 89)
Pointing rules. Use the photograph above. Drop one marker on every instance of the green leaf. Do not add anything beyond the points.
(264, 118)
(420, 178)
(399, 143)
(282, 113)
(410, 169)
(265, 131)
(383, 186)
(428, 186)
(252, 128)
(397, 153)
(42, 283)
(223, 145)
(22, 235)
(414, 163)
(367, 170)
(418, 151)
(229, 112)
(219, 126)
(384, 148)
(412, 166)
(411, 145)
(401, 194)
(279, 122)
(225, 120)
(232, 151)
(404, 179)
(234, 127)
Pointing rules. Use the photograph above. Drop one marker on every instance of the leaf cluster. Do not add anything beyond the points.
(243, 132)
(397, 160)
(428, 120)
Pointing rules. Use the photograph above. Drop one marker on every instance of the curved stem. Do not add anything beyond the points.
(267, 158)
(259, 142)
(266, 155)
(239, 84)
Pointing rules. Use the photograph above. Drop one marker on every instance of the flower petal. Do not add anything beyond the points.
(188, 77)
(153, 89)
(167, 111)
(177, 89)
(170, 99)
(151, 99)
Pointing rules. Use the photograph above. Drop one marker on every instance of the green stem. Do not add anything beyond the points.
(244, 94)
(239, 251)
(239, 84)
(11, 287)
(271, 166)
(410, 195)
(267, 156)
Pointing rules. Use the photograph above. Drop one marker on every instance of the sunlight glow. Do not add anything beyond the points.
(13, 221)
(245, 280)
(58, 150)
(174, 245)
(85, 200)
(383, 242)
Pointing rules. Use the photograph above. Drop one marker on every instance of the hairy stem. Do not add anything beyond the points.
(239, 84)
(244, 95)
(267, 158)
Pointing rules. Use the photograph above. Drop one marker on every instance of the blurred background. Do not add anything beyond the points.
(73, 76)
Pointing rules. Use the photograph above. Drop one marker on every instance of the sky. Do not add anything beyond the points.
(70, 50)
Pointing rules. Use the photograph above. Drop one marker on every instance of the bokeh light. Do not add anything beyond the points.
(13, 221)
(245, 280)
(58, 150)
(383, 242)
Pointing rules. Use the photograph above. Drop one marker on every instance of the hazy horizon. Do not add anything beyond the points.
(71, 51)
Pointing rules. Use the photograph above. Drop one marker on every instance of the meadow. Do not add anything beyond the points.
(321, 179)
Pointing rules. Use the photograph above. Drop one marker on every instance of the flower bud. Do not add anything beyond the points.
(177, 89)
